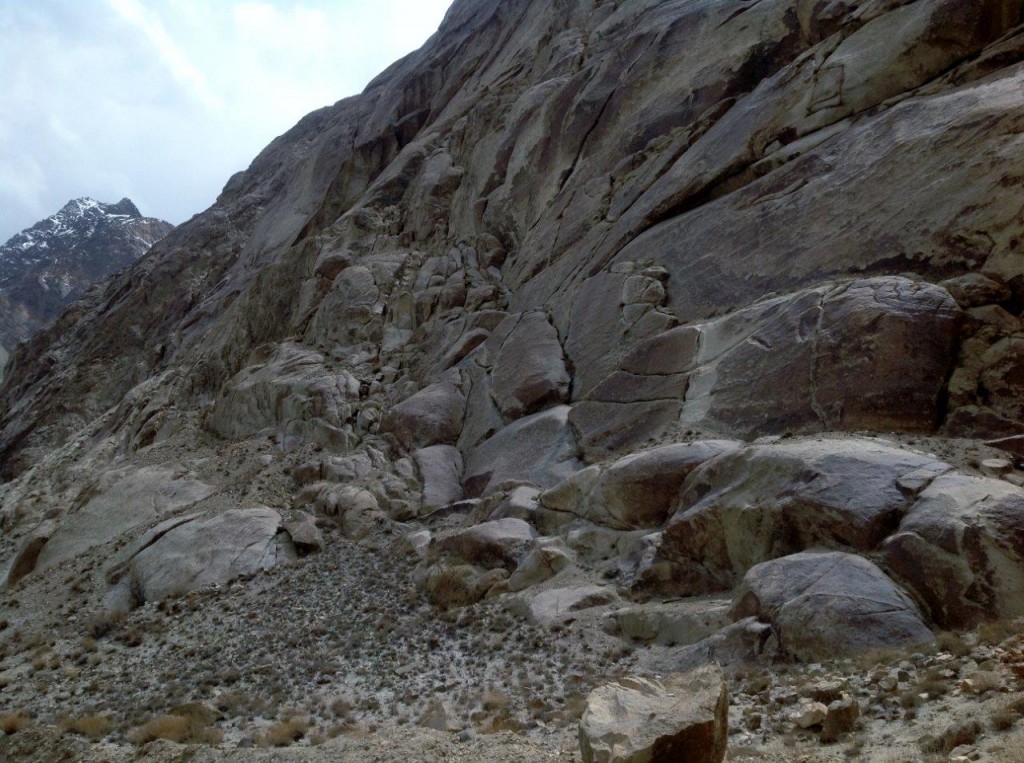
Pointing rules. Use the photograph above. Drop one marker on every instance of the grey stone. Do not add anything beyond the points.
(826, 604)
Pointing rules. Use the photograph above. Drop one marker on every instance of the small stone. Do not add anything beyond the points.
(996, 467)
(809, 714)
(841, 719)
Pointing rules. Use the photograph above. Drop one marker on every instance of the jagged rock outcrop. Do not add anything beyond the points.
(46, 267)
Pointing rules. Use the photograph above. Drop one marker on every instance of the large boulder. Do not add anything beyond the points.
(290, 394)
(198, 551)
(634, 492)
(827, 604)
(773, 499)
(682, 717)
(529, 370)
(440, 468)
(539, 449)
(501, 543)
(432, 416)
(961, 548)
(118, 502)
(558, 605)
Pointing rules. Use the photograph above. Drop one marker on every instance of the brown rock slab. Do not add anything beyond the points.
(683, 717)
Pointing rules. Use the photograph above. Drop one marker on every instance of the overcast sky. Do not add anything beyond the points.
(163, 100)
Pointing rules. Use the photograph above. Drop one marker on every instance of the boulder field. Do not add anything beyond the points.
(682, 337)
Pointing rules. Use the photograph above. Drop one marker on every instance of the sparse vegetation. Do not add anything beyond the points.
(175, 728)
(95, 727)
(12, 723)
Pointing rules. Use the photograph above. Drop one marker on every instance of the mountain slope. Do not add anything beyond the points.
(647, 333)
(46, 267)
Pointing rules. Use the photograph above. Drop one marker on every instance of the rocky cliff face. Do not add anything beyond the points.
(46, 267)
(583, 301)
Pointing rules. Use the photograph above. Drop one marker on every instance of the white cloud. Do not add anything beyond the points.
(162, 102)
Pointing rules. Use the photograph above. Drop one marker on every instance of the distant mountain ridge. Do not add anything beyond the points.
(48, 266)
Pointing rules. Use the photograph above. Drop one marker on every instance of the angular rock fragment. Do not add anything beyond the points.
(683, 717)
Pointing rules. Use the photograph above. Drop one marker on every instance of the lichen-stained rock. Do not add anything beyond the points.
(290, 393)
(529, 370)
(637, 491)
(539, 449)
(769, 500)
(826, 604)
(961, 549)
(206, 550)
(432, 416)
(682, 717)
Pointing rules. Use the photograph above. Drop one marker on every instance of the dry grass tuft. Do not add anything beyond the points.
(95, 727)
(175, 728)
(12, 723)
(285, 732)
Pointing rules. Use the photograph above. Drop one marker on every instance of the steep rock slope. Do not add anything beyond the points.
(48, 266)
(640, 319)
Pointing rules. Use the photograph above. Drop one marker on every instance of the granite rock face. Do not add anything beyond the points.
(586, 301)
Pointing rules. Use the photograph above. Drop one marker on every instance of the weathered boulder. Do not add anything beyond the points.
(355, 509)
(440, 468)
(683, 717)
(770, 500)
(458, 585)
(871, 354)
(27, 555)
(301, 528)
(637, 491)
(841, 718)
(432, 416)
(203, 551)
(539, 449)
(291, 394)
(961, 548)
(490, 545)
(976, 289)
(529, 370)
(674, 622)
(826, 604)
(118, 502)
(557, 605)
(544, 561)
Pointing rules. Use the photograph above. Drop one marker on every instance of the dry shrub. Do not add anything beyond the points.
(284, 733)
(12, 723)
(998, 631)
(175, 728)
(95, 727)
(954, 643)
(102, 623)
